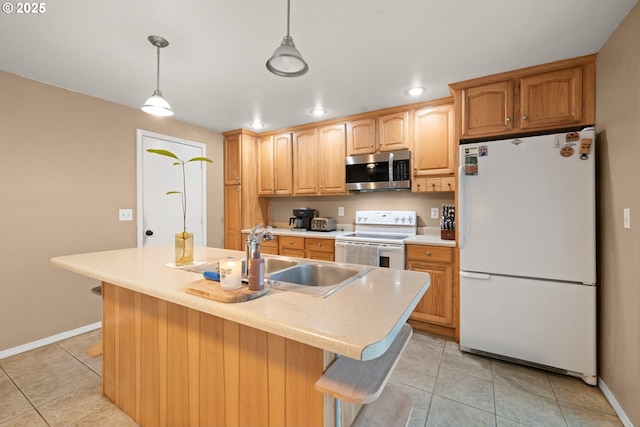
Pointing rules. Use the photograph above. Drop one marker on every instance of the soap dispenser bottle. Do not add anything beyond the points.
(256, 272)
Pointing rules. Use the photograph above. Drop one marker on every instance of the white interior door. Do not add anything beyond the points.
(160, 215)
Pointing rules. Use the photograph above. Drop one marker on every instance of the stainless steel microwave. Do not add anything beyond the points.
(376, 172)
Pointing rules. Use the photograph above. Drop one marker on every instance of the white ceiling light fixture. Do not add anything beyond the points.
(287, 61)
(318, 111)
(415, 91)
(157, 105)
(256, 125)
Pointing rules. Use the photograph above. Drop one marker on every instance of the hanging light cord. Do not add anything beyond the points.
(158, 70)
(288, 15)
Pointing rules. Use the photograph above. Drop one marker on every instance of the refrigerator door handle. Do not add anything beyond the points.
(476, 276)
(461, 205)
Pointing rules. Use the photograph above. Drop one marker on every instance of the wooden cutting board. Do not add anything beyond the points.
(211, 290)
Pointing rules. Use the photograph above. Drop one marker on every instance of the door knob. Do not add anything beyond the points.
(149, 233)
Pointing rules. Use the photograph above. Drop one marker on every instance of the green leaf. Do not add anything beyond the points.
(199, 159)
(163, 153)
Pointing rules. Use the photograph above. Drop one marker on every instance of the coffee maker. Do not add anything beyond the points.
(301, 219)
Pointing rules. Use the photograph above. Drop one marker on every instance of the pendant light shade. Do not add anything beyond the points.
(287, 60)
(157, 105)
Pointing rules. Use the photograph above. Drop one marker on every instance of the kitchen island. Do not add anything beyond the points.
(172, 358)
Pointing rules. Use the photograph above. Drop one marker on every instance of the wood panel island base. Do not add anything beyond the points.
(175, 359)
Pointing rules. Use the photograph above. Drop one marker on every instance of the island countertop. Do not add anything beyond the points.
(359, 321)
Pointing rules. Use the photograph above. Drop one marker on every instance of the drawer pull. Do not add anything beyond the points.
(428, 253)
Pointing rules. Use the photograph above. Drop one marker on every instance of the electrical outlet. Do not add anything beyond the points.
(627, 218)
(434, 213)
(125, 214)
(340, 211)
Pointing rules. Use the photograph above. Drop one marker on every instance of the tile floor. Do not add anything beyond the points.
(59, 385)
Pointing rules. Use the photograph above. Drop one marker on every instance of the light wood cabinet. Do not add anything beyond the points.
(393, 131)
(291, 246)
(266, 246)
(558, 95)
(232, 218)
(318, 160)
(435, 311)
(305, 161)
(274, 165)
(433, 184)
(361, 137)
(242, 207)
(232, 160)
(331, 154)
(434, 143)
(321, 249)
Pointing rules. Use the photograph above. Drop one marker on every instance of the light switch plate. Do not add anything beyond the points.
(627, 218)
(434, 213)
(125, 214)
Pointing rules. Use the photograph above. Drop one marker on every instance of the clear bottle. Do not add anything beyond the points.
(256, 272)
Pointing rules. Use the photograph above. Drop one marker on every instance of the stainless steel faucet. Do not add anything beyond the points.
(252, 244)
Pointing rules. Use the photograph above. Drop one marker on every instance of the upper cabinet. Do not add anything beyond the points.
(318, 160)
(393, 131)
(361, 137)
(434, 141)
(275, 177)
(387, 132)
(546, 97)
(232, 160)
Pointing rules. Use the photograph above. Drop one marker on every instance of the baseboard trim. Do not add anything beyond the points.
(614, 404)
(49, 340)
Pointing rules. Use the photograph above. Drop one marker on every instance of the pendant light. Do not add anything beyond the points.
(286, 60)
(157, 105)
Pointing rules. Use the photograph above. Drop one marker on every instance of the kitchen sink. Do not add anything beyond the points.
(274, 264)
(316, 278)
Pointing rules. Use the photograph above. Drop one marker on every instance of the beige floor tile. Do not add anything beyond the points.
(523, 378)
(415, 374)
(527, 408)
(108, 417)
(13, 404)
(74, 406)
(445, 412)
(467, 364)
(505, 422)
(575, 392)
(38, 363)
(420, 399)
(424, 350)
(466, 389)
(432, 338)
(77, 346)
(582, 417)
(62, 382)
(6, 385)
(28, 419)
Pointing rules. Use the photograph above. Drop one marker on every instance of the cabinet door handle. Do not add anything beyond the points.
(525, 117)
(428, 253)
(319, 244)
(237, 177)
(508, 119)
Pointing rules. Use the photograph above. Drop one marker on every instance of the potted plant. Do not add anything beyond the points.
(184, 239)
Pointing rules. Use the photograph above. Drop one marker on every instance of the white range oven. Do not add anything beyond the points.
(378, 239)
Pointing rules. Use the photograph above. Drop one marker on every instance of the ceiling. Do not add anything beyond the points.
(362, 54)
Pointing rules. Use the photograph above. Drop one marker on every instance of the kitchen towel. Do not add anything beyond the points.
(364, 255)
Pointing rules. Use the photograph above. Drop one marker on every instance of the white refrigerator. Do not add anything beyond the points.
(527, 233)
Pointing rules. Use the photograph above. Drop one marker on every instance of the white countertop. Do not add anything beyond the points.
(359, 321)
(428, 239)
(304, 233)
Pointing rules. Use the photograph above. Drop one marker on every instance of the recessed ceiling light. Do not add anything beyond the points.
(415, 91)
(256, 125)
(318, 111)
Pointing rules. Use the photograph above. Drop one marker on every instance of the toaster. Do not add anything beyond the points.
(324, 224)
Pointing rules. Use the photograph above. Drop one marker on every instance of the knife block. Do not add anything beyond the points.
(448, 234)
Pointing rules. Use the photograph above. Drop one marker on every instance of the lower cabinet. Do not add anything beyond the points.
(435, 312)
(266, 246)
(291, 246)
(322, 249)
